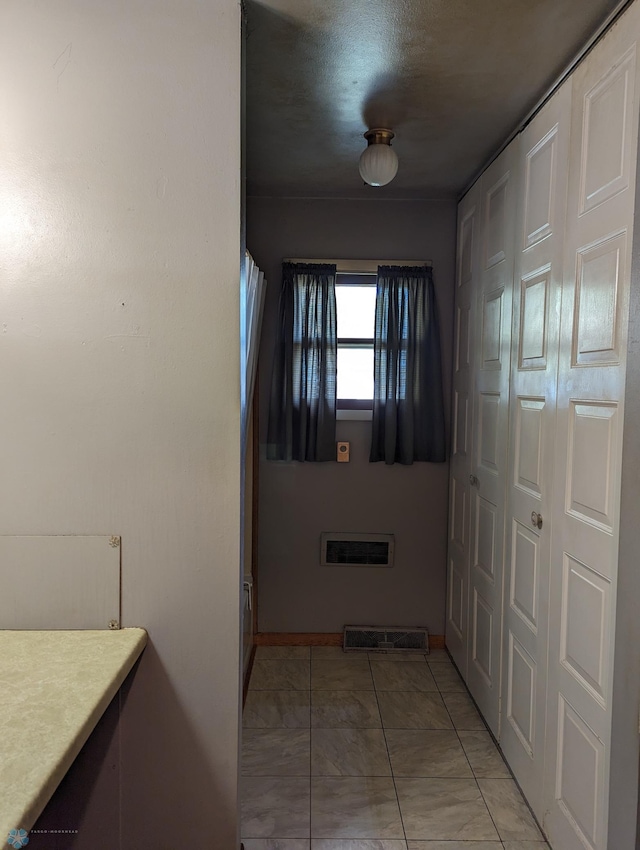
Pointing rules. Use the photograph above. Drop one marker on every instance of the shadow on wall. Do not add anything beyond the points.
(89, 792)
(87, 800)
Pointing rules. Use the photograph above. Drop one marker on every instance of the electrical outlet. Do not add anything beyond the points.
(342, 452)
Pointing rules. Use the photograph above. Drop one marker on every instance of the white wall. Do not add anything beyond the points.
(298, 501)
(120, 245)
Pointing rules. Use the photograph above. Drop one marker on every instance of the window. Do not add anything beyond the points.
(356, 312)
(336, 323)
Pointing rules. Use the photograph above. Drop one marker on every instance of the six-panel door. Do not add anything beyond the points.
(543, 168)
(536, 477)
(469, 231)
(588, 451)
(490, 433)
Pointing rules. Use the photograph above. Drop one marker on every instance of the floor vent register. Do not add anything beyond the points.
(385, 638)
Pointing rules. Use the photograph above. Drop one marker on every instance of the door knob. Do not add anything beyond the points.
(536, 519)
(473, 480)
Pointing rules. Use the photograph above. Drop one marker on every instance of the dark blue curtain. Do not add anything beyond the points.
(408, 409)
(302, 411)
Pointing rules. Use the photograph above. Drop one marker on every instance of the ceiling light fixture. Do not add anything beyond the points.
(379, 162)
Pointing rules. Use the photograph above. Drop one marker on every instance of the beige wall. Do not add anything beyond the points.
(299, 501)
(120, 245)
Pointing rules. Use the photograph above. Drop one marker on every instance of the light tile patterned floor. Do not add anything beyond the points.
(349, 752)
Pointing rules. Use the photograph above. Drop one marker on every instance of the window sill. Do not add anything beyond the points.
(361, 415)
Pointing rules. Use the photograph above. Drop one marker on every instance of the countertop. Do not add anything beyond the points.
(54, 687)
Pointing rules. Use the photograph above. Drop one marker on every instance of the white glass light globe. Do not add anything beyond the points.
(378, 164)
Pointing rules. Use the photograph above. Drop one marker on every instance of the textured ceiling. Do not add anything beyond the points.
(452, 78)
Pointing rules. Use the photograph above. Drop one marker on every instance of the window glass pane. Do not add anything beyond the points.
(356, 307)
(355, 372)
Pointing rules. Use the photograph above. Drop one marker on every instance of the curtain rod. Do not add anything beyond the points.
(362, 266)
(608, 22)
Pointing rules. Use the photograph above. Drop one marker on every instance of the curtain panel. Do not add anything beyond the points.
(408, 408)
(302, 410)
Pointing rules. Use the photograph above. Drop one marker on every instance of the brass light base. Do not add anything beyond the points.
(379, 136)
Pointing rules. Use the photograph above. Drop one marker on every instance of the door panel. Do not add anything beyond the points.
(579, 775)
(544, 154)
(497, 208)
(528, 455)
(492, 329)
(459, 513)
(606, 162)
(493, 297)
(524, 597)
(457, 632)
(521, 694)
(485, 537)
(462, 338)
(591, 462)
(597, 309)
(481, 653)
(460, 424)
(455, 605)
(590, 411)
(584, 628)
(488, 433)
(538, 189)
(532, 331)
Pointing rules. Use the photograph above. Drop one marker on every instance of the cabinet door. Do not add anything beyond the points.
(590, 400)
(469, 225)
(543, 169)
(490, 433)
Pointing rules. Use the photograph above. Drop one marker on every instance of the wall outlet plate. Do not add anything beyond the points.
(342, 452)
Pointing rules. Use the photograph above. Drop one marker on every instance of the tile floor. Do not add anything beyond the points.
(345, 752)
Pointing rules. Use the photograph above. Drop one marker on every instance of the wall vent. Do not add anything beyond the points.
(387, 638)
(356, 550)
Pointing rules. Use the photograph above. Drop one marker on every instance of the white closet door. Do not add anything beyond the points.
(589, 436)
(469, 225)
(490, 433)
(543, 170)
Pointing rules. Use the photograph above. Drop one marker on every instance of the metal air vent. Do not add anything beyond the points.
(356, 550)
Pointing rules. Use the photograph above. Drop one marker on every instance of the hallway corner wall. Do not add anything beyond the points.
(299, 501)
(120, 256)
